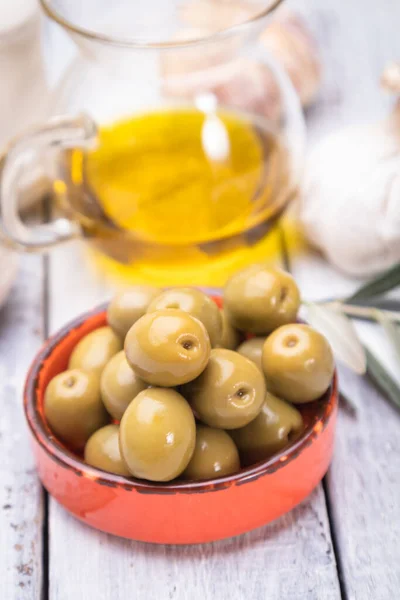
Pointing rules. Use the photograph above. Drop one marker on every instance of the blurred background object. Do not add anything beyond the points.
(350, 203)
(23, 101)
(246, 83)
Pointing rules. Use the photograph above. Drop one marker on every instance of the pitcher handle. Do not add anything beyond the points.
(61, 133)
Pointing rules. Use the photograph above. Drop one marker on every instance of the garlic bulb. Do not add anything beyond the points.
(24, 95)
(350, 205)
(243, 83)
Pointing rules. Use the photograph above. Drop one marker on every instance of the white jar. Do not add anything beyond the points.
(23, 98)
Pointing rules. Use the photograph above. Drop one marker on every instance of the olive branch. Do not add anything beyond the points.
(334, 318)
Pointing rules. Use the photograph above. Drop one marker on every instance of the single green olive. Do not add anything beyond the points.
(197, 304)
(167, 348)
(73, 407)
(230, 338)
(260, 298)
(230, 391)
(128, 306)
(157, 434)
(252, 349)
(298, 363)
(119, 385)
(102, 451)
(215, 455)
(277, 424)
(93, 352)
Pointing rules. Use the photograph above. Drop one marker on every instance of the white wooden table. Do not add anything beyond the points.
(343, 542)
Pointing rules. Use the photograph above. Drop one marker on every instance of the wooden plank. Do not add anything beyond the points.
(21, 496)
(292, 558)
(363, 484)
(356, 40)
(364, 489)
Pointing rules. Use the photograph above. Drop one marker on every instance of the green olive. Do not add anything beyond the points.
(197, 304)
(215, 455)
(128, 306)
(230, 338)
(73, 407)
(260, 298)
(102, 451)
(119, 385)
(277, 424)
(157, 435)
(298, 363)
(230, 391)
(252, 349)
(167, 348)
(93, 352)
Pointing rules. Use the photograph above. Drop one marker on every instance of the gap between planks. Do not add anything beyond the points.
(45, 528)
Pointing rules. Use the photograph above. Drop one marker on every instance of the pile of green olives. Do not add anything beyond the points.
(175, 387)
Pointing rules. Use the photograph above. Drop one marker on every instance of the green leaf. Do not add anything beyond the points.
(383, 380)
(385, 282)
(341, 334)
(391, 330)
(388, 304)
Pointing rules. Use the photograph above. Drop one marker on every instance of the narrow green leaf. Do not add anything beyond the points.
(385, 282)
(341, 334)
(388, 304)
(391, 330)
(383, 380)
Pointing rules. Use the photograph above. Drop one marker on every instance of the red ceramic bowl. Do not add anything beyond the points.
(178, 512)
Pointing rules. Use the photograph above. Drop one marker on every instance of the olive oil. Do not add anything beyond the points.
(153, 197)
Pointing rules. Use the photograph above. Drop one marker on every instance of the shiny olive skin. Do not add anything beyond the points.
(215, 455)
(298, 363)
(93, 352)
(230, 338)
(102, 451)
(119, 385)
(259, 299)
(167, 348)
(252, 349)
(277, 424)
(197, 304)
(128, 306)
(157, 434)
(229, 393)
(73, 407)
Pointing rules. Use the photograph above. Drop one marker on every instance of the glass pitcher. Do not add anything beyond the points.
(175, 139)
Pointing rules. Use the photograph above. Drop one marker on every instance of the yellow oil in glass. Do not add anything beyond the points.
(163, 210)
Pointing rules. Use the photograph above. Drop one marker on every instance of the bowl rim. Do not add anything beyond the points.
(60, 454)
